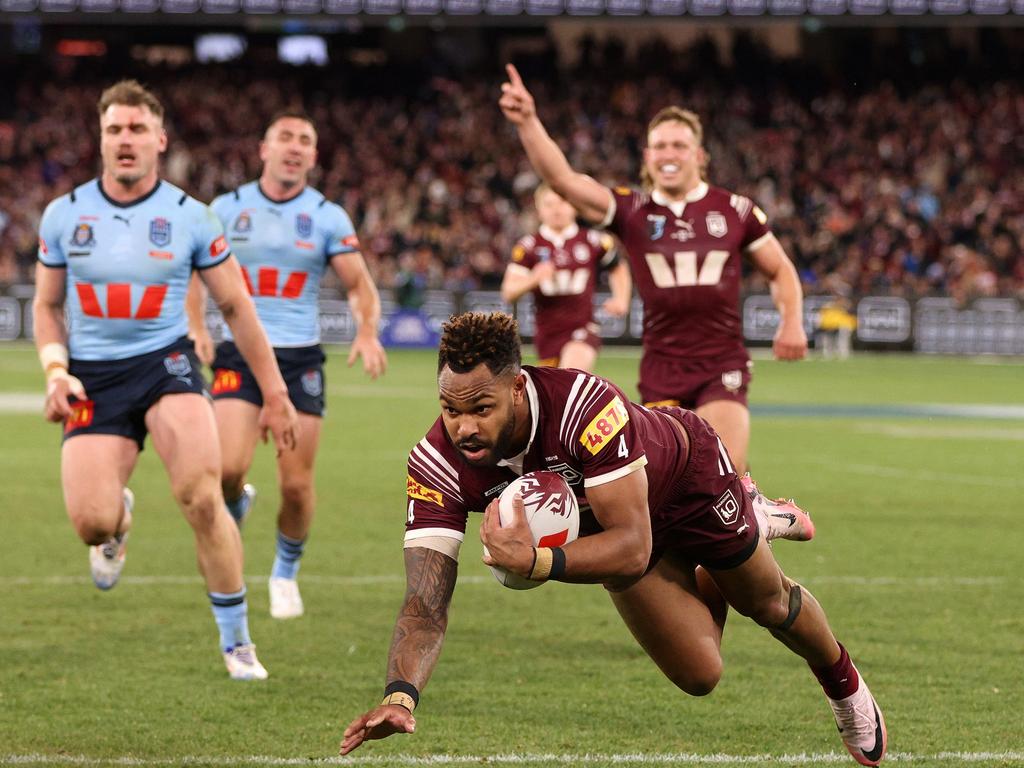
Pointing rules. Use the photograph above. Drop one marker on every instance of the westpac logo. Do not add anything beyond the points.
(119, 301)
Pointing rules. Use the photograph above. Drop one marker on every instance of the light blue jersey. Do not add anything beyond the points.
(128, 266)
(284, 249)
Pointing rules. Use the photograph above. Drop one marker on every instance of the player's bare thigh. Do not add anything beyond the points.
(577, 354)
(184, 435)
(668, 617)
(94, 471)
(731, 420)
(239, 430)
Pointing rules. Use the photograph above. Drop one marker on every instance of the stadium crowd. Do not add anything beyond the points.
(878, 188)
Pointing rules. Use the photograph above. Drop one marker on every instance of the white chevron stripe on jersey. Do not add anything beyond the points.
(593, 390)
(741, 204)
(435, 468)
(565, 411)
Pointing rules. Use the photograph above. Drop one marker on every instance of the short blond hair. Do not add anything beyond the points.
(130, 93)
(691, 120)
(538, 193)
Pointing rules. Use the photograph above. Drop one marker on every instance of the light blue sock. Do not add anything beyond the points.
(239, 506)
(231, 612)
(286, 562)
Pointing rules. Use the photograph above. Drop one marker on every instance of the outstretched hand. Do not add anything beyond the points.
(516, 102)
(379, 723)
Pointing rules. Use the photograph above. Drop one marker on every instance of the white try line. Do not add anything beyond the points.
(259, 581)
(636, 758)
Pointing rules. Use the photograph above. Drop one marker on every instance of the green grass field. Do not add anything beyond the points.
(917, 561)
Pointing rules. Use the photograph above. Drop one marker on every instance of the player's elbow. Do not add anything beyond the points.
(635, 556)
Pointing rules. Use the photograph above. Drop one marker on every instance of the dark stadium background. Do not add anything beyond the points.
(887, 149)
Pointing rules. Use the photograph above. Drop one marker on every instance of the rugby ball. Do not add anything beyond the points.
(551, 512)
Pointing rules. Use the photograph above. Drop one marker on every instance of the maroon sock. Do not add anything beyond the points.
(839, 680)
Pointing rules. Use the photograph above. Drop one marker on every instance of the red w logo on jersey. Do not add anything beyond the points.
(119, 301)
(267, 279)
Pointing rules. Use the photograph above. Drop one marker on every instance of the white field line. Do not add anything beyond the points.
(942, 433)
(637, 758)
(259, 581)
(923, 475)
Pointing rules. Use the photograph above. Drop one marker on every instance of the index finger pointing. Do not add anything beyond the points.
(513, 75)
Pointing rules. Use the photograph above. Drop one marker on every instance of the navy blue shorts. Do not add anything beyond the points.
(301, 367)
(122, 391)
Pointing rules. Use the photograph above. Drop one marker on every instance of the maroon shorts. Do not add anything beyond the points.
(691, 383)
(549, 346)
(706, 517)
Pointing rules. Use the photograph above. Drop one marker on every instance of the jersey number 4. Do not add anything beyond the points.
(683, 272)
(119, 301)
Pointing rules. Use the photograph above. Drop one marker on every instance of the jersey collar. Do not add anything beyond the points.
(559, 239)
(136, 201)
(677, 206)
(259, 188)
(515, 463)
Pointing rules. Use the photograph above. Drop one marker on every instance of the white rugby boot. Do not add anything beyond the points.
(106, 560)
(778, 518)
(285, 600)
(861, 725)
(242, 663)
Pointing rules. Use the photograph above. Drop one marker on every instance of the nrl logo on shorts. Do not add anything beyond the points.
(312, 385)
(732, 380)
(83, 237)
(727, 508)
(716, 224)
(159, 232)
(304, 225)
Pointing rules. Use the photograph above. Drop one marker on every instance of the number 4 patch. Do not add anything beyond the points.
(623, 450)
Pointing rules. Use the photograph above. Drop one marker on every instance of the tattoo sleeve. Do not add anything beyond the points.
(423, 619)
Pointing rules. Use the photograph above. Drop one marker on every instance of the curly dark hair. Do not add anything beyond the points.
(476, 337)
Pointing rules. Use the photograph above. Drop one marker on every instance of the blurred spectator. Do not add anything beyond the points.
(890, 189)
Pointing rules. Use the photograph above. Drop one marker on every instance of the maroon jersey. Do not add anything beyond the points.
(686, 262)
(564, 303)
(585, 429)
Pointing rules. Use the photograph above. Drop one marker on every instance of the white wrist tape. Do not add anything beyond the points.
(53, 355)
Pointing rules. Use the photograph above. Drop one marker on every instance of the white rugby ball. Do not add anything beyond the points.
(551, 512)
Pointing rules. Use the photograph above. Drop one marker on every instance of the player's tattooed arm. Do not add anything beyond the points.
(423, 619)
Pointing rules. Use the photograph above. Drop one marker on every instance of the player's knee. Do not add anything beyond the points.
(699, 680)
(200, 499)
(297, 494)
(93, 532)
(92, 523)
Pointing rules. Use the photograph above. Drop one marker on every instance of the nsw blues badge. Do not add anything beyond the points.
(304, 225)
(312, 384)
(160, 232)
